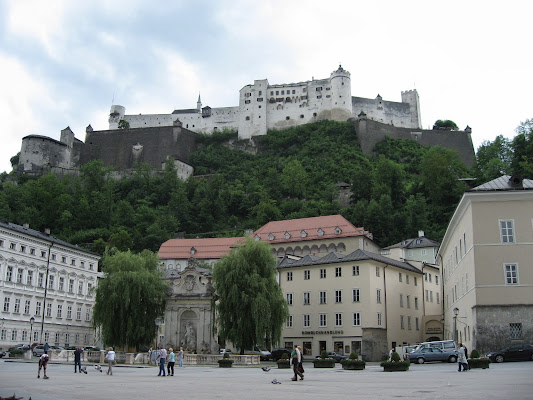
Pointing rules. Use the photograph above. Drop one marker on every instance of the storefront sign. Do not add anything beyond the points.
(339, 332)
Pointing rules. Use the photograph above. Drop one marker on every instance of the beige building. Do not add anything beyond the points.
(486, 258)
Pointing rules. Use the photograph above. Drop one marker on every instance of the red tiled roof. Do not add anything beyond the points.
(311, 227)
(211, 248)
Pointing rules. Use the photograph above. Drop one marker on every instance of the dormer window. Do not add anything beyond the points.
(256, 238)
(338, 230)
(404, 242)
(271, 236)
(193, 250)
(287, 235)
(418, 241)
(320, 232)
(303, 234)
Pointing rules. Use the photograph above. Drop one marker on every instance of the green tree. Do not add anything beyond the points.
(445, 124)
(522, 146)
(493, 159)
(123, 124)
(129, 298)
(249, 308)
(294, 179)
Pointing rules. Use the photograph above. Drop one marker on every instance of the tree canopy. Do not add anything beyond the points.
(249, 307)
(129, 298)
(445, 124)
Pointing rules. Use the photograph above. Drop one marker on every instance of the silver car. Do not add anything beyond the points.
(428, 354)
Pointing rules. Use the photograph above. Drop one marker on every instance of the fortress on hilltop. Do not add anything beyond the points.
(153, 138)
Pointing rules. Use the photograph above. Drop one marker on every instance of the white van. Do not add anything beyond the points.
(444, 345)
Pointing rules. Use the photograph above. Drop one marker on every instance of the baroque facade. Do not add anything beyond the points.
(486, 258)
(49, 280)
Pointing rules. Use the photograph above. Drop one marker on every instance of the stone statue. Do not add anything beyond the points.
(190, 337)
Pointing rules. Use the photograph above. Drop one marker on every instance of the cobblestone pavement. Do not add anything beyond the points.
(428, 381)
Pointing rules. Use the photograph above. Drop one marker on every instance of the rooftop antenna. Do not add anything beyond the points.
(113, 99)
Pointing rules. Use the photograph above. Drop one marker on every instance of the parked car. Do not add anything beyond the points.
(91, 348)
(337, 357)
(224, 351)
(20, 347)
(278, 353)
(38, 350)
(35, 344)
(264, 355)
(514, 352)
(3, 354)
(404, 350)
(428, 354)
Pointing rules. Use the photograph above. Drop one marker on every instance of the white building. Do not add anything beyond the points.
(263, 106)
(46, 289)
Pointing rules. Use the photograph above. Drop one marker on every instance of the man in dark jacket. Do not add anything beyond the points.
(77, 359)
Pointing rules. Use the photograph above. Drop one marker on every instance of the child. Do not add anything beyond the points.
(43, 362)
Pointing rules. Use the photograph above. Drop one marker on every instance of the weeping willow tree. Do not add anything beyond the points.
(129, 298)
(249, 305)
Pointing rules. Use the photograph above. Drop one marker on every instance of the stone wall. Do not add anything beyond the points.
(492, 326)
(374, 345)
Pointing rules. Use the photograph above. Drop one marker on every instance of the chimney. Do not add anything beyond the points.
(26, 225)
(420, 233)
(47, 231)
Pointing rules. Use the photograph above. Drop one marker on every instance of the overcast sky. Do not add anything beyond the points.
(64, 62)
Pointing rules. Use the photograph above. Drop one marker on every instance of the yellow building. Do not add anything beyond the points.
(486, 258)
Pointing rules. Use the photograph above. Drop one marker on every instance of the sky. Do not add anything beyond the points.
(65, 62)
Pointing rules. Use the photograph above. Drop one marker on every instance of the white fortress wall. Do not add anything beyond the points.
(149, 120)
(387, 112)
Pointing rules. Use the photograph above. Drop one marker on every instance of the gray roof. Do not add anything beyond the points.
(505, 182)
(413, 243)
(357, 255)
(43, 236)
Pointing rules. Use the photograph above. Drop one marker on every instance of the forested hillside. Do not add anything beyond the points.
(403, 189)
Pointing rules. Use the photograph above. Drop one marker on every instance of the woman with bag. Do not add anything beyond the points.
(296, 359)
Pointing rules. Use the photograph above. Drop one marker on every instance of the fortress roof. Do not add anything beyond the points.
(207, 249)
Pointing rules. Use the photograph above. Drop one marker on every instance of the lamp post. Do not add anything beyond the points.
(32, 320)
(455, 313)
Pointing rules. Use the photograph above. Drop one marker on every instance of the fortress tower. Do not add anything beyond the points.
(411, 97)
(115, 115)
(341, 88)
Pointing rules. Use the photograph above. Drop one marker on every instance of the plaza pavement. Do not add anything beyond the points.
(428, 381)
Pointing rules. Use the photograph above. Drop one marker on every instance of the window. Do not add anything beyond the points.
(38, 308)
(323, 321)
(401, 300)
(511, 274)
(17, 306)
(6, 304)
(323, 273)
(356, 296)
(307, 298)
(378, 295)
(289, 276)
(338, 296)
(515, 331)
(3, 335)
(20, 275)
(61, 284)
(417, 324)
(338, 271)
(307, 274)
(40, 281)
(356, 319)
(80, 287)
(14, 335)
(338, 319)
(59, 310)
(27, 305)
(320, 232)
(355, 270)
(436, 279)
(51, 282)
(82, 263)
(24, 336)
(12, 246)
(303, 234)
(431, 296)
(408, 300)
(29, 278)
(416, 303)
(43, 253)
(400, 276)
(71, 286)
(9, 274)
(407, 279)
(287, 235)
(73, 262)
(89, 289)
(22, 249)
(57, 338)
(377, 271)
(91, 267)
(416, 281)
(63, 259)
(506, 230)
(54, 257)
(438, 297)
(78, 314)
(69, 312)
(307, 321)
(289, 299)
(323, 297)
(379, 319)
(401, 322)
(425, 276)
(49, 310)
(88, 314)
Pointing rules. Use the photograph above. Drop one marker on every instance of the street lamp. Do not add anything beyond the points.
(32, 320)
(455, 313)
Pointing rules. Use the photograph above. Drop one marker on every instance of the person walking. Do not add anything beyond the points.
(110, 357)
(46, 347)
(461, 360)
(162, 358)
(181, 355)
(43, 362)
(171, 362)
(77, 359)
(296, 359)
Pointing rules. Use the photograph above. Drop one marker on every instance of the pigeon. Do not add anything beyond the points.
(276, 381)
(266, 369)
(84, 370)
(98, 367)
